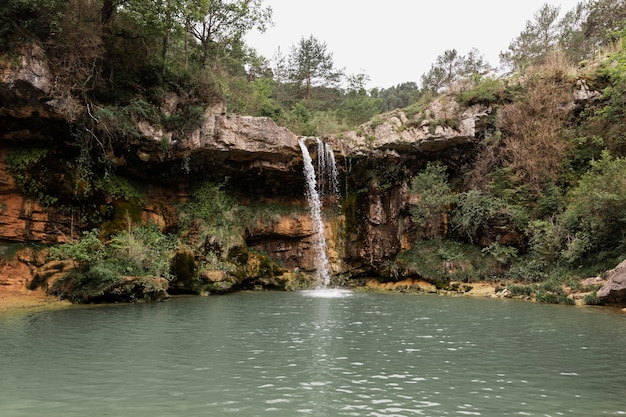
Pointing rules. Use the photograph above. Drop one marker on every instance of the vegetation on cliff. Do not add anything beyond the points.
(540, 202)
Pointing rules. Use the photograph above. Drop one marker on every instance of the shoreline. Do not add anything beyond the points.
(26, 300)
(14, 299)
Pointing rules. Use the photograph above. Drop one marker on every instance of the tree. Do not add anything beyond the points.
(399, 96)
(572, 37)
(21, 19)
(539, 37)
(220, 24)
(310, 64)
(451, 68)
(358, 106)
(605, 19)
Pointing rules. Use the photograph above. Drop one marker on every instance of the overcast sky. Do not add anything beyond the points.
(395, 41)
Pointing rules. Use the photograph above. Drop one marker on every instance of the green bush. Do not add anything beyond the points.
(594, 217)
(28, 167)
(216, 217)
(21, 20)
(520, 290)
(119, 188)
(550, 298)
(440, 261)
(591, 299)
(88, 250)
(486, 91)
(143, 251)
(435, 196)
(474, 209)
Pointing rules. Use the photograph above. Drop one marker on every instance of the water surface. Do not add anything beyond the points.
(289, 354)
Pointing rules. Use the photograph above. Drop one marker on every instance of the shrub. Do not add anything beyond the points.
(473, 210)
(593, 217)
(441, 261)
(216, 218)
(550, 298)
(28, 168)
(591, 299)
(486, 91)
(89, 249)
(520, 290)
(143, 251)
(435, 196)
(119, 188)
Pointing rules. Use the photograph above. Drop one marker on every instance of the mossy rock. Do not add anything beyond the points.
(184, 268)
(123, 213)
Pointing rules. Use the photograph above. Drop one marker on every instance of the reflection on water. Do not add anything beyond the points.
(289, 354)
(326, 292)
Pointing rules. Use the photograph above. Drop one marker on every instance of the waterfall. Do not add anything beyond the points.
(327, 176)
(325, 181)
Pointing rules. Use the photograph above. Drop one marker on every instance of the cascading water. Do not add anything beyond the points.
(325, 158)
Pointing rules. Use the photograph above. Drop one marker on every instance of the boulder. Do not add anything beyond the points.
(613, 292)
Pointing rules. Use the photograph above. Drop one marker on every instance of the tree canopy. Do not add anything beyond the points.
(311, 64)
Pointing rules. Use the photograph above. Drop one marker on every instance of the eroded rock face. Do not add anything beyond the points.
(441, 126)
(613, 292)
(23, 219)
(259, 158)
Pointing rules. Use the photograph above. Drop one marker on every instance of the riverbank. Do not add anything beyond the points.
(12, 299)
(32, 300)
(17, 297)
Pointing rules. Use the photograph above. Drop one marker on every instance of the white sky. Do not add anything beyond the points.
(395, 41)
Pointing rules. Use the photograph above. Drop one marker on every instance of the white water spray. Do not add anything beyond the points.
(326, 164)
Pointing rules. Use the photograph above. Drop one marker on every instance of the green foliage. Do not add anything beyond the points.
(474, 209)
(591, 299)
(547, 238)
(143, 250)
(88, 250)
(83, 286)
(503, 254)
(21, 20)
(536, 40)
(217, 217)
(119, 188)
(484, 91)
(451, 70)
(272, 213)
(399, 96)
(358, 106)
(606, 121)
(311, 64)
(551, 298)
(594, 216)
(441, 261)
(26, 165)
(186, 121)
(520, 290)
(120, 121)
(435, 196)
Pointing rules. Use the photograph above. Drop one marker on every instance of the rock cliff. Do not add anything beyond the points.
(257, 159)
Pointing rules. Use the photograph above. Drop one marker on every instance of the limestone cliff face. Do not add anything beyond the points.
(261, 160)
(23, 219)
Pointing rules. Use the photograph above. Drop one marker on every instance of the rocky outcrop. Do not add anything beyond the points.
(23, 219)
(442, 125)
(255, 157)
(613, 292)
